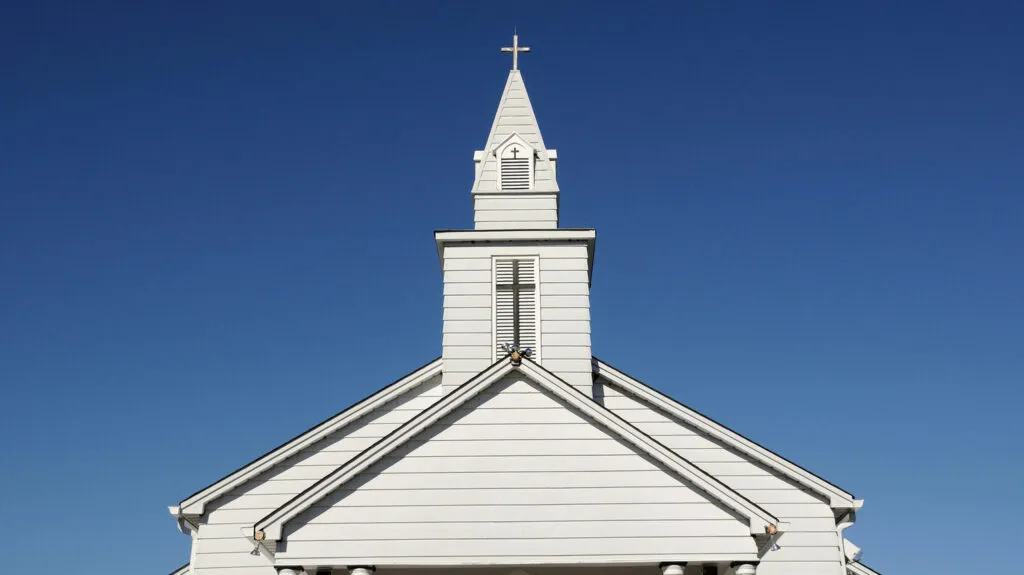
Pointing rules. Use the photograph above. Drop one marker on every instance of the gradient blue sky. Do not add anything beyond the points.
(215, 231)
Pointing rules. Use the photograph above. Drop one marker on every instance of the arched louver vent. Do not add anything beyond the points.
(515, 168)
(515, 304)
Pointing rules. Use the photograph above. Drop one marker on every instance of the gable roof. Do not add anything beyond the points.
(271, 527)
(195, 504)
(838, 497)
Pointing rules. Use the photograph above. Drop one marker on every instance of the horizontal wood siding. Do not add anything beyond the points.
(467, 334)
(565, 317)
(221, 545)
(812, 543)
(515, 476)
(515, 211)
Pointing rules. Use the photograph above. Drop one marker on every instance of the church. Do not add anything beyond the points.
(517, 451)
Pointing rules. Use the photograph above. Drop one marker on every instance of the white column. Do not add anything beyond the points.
(361, 569)
(673, 568)
(745, 568)
(289, 571)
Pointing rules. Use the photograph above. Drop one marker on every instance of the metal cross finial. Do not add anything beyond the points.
(515, 50)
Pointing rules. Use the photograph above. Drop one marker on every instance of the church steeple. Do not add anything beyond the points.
(515, 185)
(516, 280)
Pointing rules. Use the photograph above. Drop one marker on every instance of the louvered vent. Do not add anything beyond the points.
(515, 173)
(515, 304)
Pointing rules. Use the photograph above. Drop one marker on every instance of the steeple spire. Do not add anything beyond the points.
(514, 159)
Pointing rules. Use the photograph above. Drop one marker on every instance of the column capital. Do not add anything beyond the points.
(361, 569)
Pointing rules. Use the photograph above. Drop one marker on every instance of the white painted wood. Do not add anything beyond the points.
(579, 263)
(564, 276)
(838, 498)
(469, 462)
(514, 117)
(511, 202)
(470, 297)
(511, 547)
(220, 543)
(811, 535)
(555, 338)
(515, 247)
(397, 395)
(518, 225)
(516, 215)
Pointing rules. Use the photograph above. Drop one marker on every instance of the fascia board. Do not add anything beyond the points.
(838, 498)
(195, 504)
(858, 568)
(272, 526)
(444, 238)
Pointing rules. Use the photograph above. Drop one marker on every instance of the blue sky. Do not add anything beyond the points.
(215, 231)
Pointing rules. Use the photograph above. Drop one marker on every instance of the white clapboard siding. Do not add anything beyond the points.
(695, 513)
(562, 296)
(514, 202)
(496, 479)
(221, 544)
(499, 216)
(812, 536)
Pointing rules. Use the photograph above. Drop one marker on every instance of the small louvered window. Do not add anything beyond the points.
(516, 167)
(515, 304)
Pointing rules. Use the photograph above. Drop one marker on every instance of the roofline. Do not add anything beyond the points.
(271, 527)
(195, 504)
(183, 570)
(838, 497)
(563, 235)
(858, 568)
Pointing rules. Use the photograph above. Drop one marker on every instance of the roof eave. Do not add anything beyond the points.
(195, 504)
(838, 498)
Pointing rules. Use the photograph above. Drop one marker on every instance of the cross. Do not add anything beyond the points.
(515, 50)
(515, 153)
(515, 287)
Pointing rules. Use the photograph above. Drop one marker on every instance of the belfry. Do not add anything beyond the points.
(517, 451)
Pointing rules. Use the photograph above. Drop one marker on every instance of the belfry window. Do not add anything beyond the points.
(515, 305)
(516, 164)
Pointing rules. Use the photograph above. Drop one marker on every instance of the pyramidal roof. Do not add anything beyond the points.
(515, 116)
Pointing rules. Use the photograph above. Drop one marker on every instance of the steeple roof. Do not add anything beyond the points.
(515, 116)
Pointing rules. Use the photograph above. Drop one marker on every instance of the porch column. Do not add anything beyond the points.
(361, 569)
(290, 571)
(673, 568)
(745, 568)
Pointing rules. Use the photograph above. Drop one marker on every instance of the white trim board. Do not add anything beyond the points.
(195, 504)
(858, 568)
(271, 527)
(838, 498)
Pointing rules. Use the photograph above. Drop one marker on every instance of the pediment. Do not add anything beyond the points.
(513, 142)
(522, 468)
